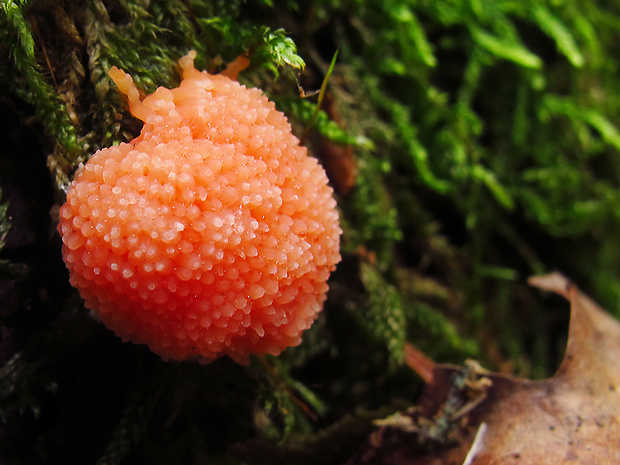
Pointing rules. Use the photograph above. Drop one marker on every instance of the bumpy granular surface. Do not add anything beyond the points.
(212, 233)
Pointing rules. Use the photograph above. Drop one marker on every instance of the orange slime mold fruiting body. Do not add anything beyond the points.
(212, 233)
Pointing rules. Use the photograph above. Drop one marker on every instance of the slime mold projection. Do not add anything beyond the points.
(212, 233)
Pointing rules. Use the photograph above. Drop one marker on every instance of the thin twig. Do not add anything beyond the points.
(293, 397)
(320, 99)
(44, 50)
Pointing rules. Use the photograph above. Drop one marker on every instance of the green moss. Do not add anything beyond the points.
(484, 139)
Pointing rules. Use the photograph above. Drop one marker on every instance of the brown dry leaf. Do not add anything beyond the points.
(469, 417)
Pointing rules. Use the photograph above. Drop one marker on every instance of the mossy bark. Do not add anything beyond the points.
(471, 144)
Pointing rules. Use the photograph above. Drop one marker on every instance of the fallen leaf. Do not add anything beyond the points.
(470, 417)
